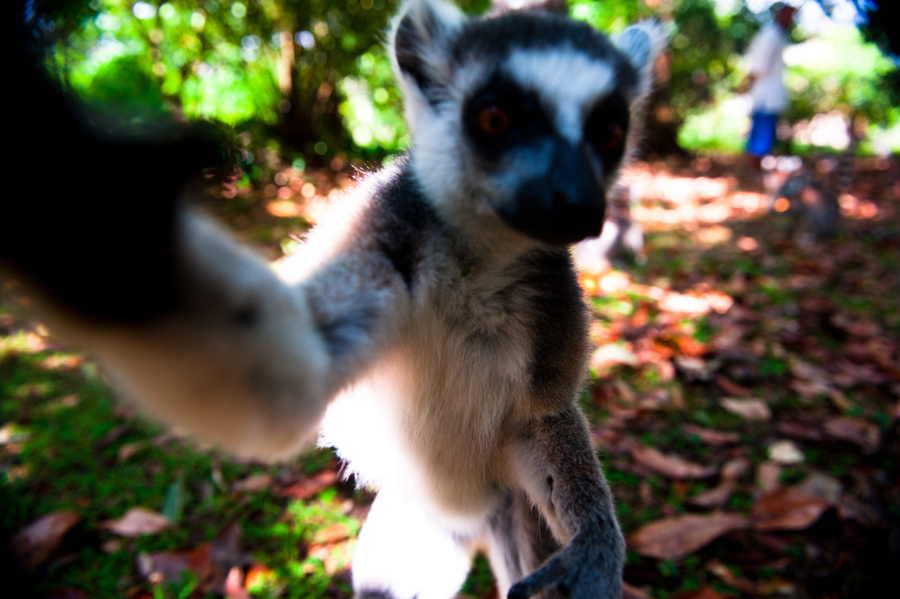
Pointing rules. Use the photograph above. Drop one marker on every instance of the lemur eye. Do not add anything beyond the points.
(609, 137)
(493, 120)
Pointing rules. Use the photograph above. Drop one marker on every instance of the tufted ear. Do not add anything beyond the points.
(642, 44)
(419, 44)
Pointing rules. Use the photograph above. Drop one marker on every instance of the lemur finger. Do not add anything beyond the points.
(553, 572)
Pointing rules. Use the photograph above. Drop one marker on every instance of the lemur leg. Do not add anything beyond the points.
(556, 464)
(403, 554)
(518, 541)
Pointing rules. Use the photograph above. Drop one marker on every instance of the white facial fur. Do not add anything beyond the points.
(565, 79)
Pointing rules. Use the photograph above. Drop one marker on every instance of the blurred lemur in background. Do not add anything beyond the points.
(438, 334)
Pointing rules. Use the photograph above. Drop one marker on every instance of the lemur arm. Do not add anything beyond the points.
(560, 472)
(241, 358)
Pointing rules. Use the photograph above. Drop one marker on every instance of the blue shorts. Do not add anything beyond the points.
(762, 133)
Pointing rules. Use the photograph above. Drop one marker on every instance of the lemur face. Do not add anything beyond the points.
(524, 117)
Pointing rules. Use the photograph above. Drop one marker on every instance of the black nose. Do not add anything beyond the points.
(564, 205)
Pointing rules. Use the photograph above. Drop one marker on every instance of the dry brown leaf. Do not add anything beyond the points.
(787, 509)
(254, 482)
(853, 509)
(308, 487)
(129, 449)
(710, 436)
(136, 522)
(34, 544)
(671, 466)
(675, 538)
(715, 497)
(733, 469)
(855, 430)
(614, 354)
(748, 409)
(805, 371)
(704, 593)
(632, 592)
(785, 452)
(335, 556)
(226, 554)
(332, 534)
(722, 572)
(825, 487)
(808, 431)
(768, 477)
(730, 387)
(811, 389)
(170, 566)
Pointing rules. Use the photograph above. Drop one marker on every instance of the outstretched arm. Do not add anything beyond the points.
(232, 354)
(559, 470)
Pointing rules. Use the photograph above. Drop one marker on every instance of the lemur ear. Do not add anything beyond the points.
(642, 44)
(419, 40)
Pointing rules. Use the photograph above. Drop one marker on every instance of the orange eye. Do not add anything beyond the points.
(493, 120)
(610, 137)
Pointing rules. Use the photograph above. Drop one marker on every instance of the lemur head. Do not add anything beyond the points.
(520, 120)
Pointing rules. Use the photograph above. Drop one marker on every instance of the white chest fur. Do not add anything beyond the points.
(430, 418)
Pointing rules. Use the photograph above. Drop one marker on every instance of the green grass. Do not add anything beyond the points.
(64, 456)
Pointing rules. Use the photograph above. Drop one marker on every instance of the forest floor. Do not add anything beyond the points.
(745, 398)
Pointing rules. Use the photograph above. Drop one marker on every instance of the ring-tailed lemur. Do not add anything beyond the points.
(440, 317)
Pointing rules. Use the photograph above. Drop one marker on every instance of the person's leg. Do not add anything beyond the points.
(761, 139)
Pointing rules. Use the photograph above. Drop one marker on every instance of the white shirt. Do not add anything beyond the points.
(767, 65)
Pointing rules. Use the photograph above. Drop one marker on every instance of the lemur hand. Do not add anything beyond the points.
(584, 569)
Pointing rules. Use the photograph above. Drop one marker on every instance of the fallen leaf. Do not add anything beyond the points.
(853, 509)
(748, 409)
(174, 503)
(730, 387)
(34, 544)
(308, 487)
(111, 546)
(170, 566)
(710, 436)
(733, 469)
(811, 390)
(725, 574)
(613, 354)
(786, 453)
(129, 449)
(332, 534)
(715, 497)
(808, 431)
(255, 482)
(226, 554)
(234, 585)
(695, 368)
(675, 538)
(768, 477)
(824, 487)
(704, 593)
(787, 509)
(667, 465)
(855, 430)
(335, 556)
(805, 371)
(631, 592)
(136, 522)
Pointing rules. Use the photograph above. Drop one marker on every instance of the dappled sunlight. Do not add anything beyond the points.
(663, 200)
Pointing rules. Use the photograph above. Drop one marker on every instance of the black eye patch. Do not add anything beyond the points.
(606, 128)
(501, 115)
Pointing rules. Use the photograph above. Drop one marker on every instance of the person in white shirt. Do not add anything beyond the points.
(765, 83)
